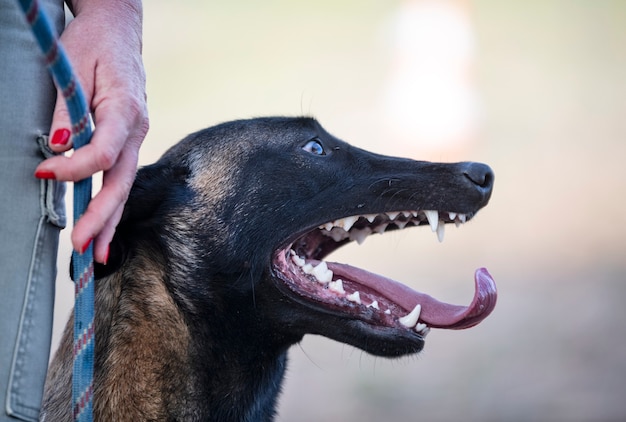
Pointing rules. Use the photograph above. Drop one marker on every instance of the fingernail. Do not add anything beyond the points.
(106, 255)
(44, 174)
(85, 246)
(60, 137)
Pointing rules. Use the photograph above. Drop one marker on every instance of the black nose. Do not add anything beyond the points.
(481, 175)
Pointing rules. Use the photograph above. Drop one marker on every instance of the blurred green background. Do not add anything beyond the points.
(536, 89)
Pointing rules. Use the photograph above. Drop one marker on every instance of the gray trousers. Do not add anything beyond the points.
(31, 214)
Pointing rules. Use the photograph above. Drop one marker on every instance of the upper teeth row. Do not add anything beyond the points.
(324, 275)
(342, 229)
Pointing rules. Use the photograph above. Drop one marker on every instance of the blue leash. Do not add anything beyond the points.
(84, 338)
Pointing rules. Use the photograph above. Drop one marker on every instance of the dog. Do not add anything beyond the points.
(217, 268)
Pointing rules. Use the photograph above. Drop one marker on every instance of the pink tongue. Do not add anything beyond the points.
(434, 313)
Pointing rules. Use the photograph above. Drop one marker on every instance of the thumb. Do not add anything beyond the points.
(60, 130)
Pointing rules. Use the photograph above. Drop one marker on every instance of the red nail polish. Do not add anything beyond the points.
(60, 137)
(85, 246)
(44, 174)
(106, 255)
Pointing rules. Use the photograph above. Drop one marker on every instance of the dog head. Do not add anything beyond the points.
(242, 215)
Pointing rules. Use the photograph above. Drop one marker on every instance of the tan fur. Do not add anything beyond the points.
(196, 308)
(135, 342)
(214, 185)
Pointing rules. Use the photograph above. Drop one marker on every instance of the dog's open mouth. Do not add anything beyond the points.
(373, 299)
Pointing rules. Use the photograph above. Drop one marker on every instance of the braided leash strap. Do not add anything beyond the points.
(65, 79)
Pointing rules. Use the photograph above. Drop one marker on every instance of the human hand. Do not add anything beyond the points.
(103, 43)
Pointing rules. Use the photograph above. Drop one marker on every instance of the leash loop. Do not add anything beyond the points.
(84, 338)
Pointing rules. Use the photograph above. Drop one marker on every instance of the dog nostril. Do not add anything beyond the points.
(480, 174)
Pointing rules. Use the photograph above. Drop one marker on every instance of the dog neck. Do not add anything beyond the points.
(156, 362)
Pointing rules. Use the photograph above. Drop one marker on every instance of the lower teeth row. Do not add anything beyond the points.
(324, 275)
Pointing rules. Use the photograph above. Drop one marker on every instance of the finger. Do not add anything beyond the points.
(60, 129)
(104, 239)
(105, 209)
(115, 120)
(98, 155)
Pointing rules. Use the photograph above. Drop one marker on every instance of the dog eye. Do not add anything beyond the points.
(314, 147)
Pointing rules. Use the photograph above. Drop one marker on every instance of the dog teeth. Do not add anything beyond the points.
(354, 297)
(360, 235)
(422, 329)
(343, 228)
(441, 230)
(374, 305)
(380, 229)
(337, 286)
(411, 319)
(401, 224)
(296, 259)
(433, 219)
(320, 272)
(392, 215)
(324, 275)
(348, 222)
(338, 234)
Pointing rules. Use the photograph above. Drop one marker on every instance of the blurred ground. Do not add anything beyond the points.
(545, 98)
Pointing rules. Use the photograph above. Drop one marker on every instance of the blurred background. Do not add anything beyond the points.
(536, 89)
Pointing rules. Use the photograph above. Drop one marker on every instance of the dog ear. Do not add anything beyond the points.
(152, 186)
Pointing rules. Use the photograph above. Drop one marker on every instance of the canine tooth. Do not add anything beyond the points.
(411, 319)
(354, 297)
(374, 305)
(322, 273)
(433, 218)
(452, 215)
(360, 235)
(441, 229)
(392, 215)
(337, 286)
(348, 222)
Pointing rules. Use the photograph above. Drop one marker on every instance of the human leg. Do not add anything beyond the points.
(31, 215)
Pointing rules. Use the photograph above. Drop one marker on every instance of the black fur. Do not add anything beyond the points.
(211, 214)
